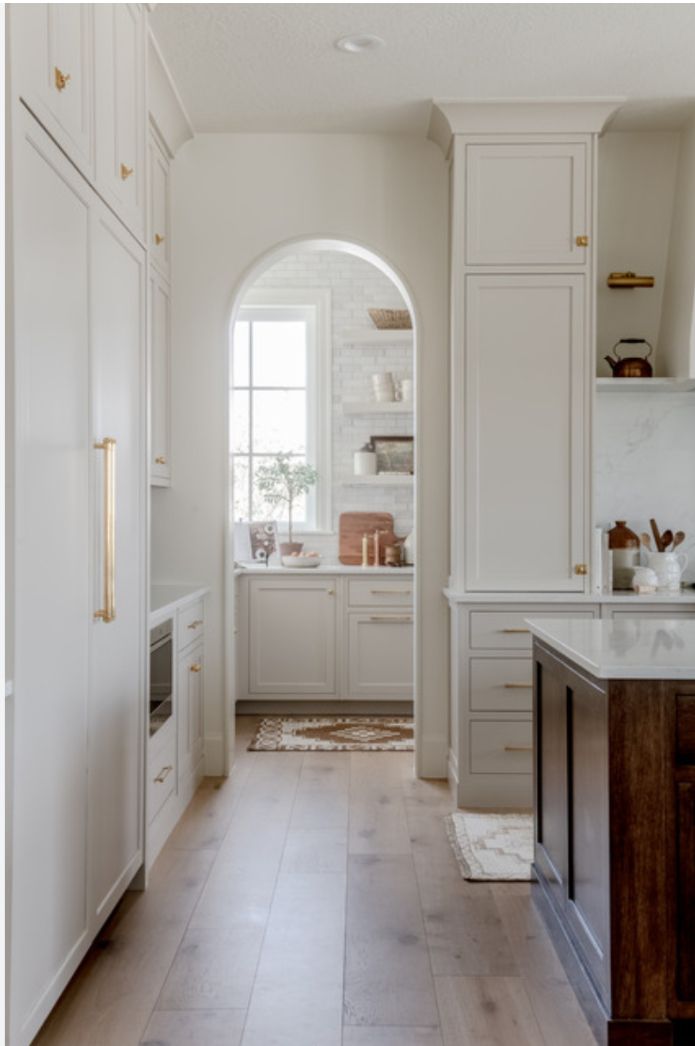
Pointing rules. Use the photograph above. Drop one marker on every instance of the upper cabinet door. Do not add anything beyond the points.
(120, 110)
(526, 433)
(52, 70)
(526, 204)
(158, 236)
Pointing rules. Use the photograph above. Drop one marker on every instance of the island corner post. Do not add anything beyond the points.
(614, 844)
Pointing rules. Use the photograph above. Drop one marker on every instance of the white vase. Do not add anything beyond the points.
(668, 567)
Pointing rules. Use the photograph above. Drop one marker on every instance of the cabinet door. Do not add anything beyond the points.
(47, 716)
(526, 459)
(526, 204)
(51, 61)
(117, 692)
(190, 710)
(292, 633)
(160, 355)
(380, 655)
(120, 110)
(158, 236)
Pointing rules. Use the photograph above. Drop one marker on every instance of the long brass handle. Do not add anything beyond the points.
(390, 617)
(518, 748)
(125, 172)
(61, 79)
(108, 613)
(390, 592)
(160, 460)
(518, 686)
(197, 667)
(163, 774)
(195, 624)
(511, 631)
(158, 239)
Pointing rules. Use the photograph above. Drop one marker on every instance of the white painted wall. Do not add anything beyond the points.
(636, 182)
(235, 198)
(677, 342)
(355, 286)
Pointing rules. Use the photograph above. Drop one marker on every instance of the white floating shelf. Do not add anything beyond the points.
(383, 479)
(360, 336)
(645, 384)
(371, 407)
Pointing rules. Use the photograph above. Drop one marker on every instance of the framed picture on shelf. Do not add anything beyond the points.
(255, 542)
(394, 454)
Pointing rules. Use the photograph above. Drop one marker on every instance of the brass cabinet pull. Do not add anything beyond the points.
(510, 631)
(390, 617)
(159, 239)
(195, 624)
(518, 748)
(108, 445)
(197, 667)
(161, 460)
(330, 591)
(163, 774)
(581, 569)
(518, 686)
(582, 241)
(390, 592)
(125, 172)
(61, 79)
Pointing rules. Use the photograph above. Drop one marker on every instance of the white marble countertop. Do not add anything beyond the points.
(325, 568)
(683, 598)
(632, 649)
(172, 597)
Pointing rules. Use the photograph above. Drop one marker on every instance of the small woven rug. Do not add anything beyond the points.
(334, 734)
(491, 847)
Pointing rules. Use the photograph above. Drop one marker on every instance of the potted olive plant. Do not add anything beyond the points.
(281, 482)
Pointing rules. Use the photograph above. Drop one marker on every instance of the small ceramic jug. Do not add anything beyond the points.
(668, 567)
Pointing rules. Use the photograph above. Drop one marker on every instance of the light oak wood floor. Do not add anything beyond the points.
(313, 900)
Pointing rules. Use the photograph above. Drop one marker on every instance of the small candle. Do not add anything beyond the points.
(365, 550)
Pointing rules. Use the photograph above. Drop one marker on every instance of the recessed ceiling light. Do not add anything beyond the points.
(356, 43)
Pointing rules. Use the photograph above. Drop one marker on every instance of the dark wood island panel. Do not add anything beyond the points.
(614, 790)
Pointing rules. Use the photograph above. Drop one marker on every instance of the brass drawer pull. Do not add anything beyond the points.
(125, 172)
(163, 774)
(160, 460)
(197, 667)
(391, 617)
(108, 612)
(581, 569)
(61, 79)
(518, 748)
(582, 241)
(510, 631)
(195, 624)
(158, 239)
(518, 686)
(390, 592)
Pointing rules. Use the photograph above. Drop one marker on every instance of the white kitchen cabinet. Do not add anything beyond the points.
(527, 204)
(292, 636)
(380, 655)
(190, 709)
(158, 222)
(78, 709)
(526, 461)
(119, 47)
(160, 380)
(52, 70)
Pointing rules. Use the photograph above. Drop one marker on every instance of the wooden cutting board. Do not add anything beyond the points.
(351, 528)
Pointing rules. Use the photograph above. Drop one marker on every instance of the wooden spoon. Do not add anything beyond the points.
(657, 535)
(646, 540)
(666, 539)
(679, 538)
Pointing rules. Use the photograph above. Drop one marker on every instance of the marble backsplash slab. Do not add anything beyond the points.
(644, 454)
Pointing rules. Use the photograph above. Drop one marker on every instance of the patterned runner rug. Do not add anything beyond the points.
(492, 847)
(334, 734)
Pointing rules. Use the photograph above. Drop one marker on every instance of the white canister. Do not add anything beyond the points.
(668, 567)
(365, 461)
(384, 389)
(409, 549)
(407, 390)
(624, 562)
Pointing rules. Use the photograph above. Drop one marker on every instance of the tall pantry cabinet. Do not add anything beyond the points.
(78, 278)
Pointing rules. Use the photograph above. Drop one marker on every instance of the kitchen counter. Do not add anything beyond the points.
(172, 597)
(326, 568)
(617, 649)
(685, 597)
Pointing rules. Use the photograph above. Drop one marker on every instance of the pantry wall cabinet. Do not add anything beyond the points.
(78, 516)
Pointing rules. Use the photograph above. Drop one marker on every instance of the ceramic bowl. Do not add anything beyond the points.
(301, 562)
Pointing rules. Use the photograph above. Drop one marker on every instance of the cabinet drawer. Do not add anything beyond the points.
(500, 684)
(161, 769)
(500, 747)
(191, 623)
(507, 630)
(380, 592)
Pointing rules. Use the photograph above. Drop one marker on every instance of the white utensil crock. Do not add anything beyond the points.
(668, 567)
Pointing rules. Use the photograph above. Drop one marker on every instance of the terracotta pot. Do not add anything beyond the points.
(287, 548)
(620, 536)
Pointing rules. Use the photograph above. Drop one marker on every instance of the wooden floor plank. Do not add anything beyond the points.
(486, 1011)
(365, 1036)
(197, 1028)
(315, 850)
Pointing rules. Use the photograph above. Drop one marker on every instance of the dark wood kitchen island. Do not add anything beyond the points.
(614, 794)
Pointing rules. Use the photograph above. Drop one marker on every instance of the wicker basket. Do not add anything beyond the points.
(391, 319)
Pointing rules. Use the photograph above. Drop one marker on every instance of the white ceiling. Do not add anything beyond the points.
(273, 67)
